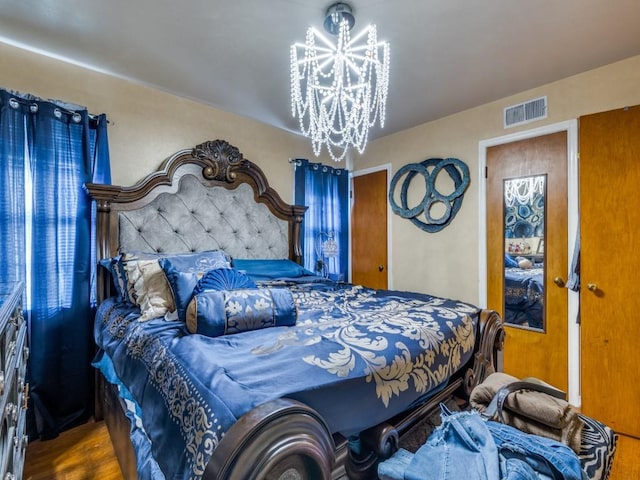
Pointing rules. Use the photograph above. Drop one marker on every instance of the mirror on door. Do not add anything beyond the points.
(524, 226)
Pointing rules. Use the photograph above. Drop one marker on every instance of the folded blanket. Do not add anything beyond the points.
(531, 411)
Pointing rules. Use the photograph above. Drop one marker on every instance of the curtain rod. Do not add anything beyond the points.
(66, 107)
(315, 166)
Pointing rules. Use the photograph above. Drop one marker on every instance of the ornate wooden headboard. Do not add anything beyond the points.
(204, 198)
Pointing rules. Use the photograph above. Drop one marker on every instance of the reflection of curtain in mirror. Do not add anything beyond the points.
(325, 191)
(524, 207)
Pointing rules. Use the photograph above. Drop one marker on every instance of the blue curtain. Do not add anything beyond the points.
(12, 190)
(49, 150)
(325, 191)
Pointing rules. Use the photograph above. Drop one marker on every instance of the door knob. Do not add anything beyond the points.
(593, 287)
(380, 268)
(559, 281)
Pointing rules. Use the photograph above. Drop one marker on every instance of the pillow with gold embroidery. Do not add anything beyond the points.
(214, 313)
(147, 285)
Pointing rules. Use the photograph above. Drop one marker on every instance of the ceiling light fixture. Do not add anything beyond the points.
(339, 90)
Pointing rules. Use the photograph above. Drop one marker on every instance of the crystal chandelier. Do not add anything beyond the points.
(339, 89)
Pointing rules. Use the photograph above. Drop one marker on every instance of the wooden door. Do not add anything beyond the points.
(528, 352)
(369, 230)
(610, 287)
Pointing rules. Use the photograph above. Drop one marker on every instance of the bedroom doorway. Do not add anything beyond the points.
(369, 229)
(541, 350)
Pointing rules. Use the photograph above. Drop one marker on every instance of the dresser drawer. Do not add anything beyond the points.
(14, 391)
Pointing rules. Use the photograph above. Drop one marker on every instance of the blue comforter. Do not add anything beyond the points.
(380, 350)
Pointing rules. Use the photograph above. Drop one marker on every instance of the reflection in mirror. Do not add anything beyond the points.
(524, 221)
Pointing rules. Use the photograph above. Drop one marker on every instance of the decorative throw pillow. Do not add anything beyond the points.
(524, 263)
(214, 313)
(115, 266)
(183, 272)
(120, 278)
(150, 289)
(597, 449)
(223, 279)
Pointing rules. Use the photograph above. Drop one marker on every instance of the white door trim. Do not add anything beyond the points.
(366, 171)
(573, 218)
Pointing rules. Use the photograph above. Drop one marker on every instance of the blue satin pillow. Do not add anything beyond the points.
(214, 313)
(117, 267)
(268, 269)
(184, 271)
(119, 276)
(223, 279)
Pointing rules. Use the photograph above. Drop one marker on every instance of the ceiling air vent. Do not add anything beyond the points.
(525, 112)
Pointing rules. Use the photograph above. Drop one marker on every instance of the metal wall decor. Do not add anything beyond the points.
(421, 215)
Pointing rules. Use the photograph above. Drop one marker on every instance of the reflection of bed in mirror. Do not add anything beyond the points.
(524, 295)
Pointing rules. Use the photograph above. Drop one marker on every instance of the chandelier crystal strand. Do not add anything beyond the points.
(339, 89)
(523, 190)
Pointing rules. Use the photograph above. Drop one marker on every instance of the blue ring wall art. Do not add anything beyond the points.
(421, 215)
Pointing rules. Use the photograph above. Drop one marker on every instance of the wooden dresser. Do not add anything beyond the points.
(14, 391)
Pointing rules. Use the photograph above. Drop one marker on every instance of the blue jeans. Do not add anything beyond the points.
(460, 448)
(468, 447)
(523, 455)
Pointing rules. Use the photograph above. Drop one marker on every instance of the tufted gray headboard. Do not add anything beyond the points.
(198, 218)
(204, 198)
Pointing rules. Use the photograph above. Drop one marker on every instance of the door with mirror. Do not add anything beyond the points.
(527, 254)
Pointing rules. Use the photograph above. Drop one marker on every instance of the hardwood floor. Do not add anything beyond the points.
(82, 453)
(85, 453)
(626, 465)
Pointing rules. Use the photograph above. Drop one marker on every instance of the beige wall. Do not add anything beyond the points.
(445, 263)
(149, 125)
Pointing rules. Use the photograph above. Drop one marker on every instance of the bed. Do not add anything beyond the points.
(322, 386)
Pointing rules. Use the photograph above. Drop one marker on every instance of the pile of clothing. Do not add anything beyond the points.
(516, 430)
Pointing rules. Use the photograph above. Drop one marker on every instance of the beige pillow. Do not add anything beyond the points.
(525, 263)
(150, 287)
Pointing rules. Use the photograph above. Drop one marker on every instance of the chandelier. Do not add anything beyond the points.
(339, 89)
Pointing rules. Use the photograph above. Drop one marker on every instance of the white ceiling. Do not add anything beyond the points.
(446, 55)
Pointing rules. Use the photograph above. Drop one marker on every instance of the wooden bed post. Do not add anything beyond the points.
(296, 246)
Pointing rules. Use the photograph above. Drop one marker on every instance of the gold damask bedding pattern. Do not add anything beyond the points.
(357, 356)
(364, 330)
